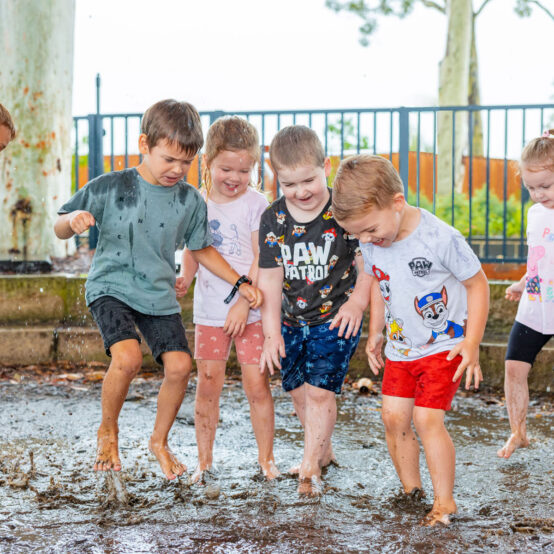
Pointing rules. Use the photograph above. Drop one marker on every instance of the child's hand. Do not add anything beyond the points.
(181, 287)
(236, 319)
(349, 317)
(80, 221)
(373, 350)
(273, 351)
(252, 294)
(470, 362)
(514, 292)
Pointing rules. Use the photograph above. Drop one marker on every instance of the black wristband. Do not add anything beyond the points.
(241, 280)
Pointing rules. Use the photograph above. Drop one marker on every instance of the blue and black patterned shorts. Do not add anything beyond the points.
(317, 356)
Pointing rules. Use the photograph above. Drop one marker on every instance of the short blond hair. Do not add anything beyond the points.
(7, 121)
(295, 146)
(538, 154)
(362, 183)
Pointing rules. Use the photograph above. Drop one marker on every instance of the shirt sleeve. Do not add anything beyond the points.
(270, 252)
(457, 256)
(259, 205)
(197, 233)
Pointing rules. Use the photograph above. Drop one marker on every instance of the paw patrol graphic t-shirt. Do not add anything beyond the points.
(318, 262)
(536, 307)
(420, 280)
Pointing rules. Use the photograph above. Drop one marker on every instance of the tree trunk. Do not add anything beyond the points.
(474, 95)
(36, 79)
(453, 91)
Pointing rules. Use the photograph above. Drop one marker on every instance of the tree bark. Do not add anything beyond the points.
(453, 91)
(36, 80)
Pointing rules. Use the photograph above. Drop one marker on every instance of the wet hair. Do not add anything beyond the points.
(295, 146)
(538, 154)
(177, 122)
(362, 183)
(231, 133)
(7, 121)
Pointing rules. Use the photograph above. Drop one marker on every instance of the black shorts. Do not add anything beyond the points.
(525, 343)
(117, 321)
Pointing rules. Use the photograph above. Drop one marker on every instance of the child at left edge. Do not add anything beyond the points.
(434, 302)
(144, 215)
(7, 129)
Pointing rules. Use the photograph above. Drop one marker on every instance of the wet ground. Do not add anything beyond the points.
(51, 501)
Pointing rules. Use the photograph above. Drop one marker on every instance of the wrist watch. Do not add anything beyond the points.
(240, 281)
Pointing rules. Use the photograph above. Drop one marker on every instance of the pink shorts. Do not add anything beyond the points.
(211, 343)
(428, 380)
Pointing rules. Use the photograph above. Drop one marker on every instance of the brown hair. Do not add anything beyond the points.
(364, 182)
(538, 154)
(177, 122)
(6, 119)
(294, 146)
(232, 133)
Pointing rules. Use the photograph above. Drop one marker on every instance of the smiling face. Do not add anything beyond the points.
(380, 227)
(230, 173)
(164, 164)
(305, 189)
(540, 185)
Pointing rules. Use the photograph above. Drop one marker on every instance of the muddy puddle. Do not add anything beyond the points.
(51, 501)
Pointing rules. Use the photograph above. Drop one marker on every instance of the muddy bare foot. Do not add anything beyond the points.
(439, 515)
(199, 475)
(416, 494)
(171, 466)
(310, 486)
(107, 451)
(269, 469)
(512, 444)
(294, 470)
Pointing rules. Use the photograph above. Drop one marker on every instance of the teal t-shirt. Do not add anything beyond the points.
(140, 227)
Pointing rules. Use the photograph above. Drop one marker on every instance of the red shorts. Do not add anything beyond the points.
(428, 380)
(211, 343)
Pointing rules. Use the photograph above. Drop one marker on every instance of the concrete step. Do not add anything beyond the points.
(27, 345)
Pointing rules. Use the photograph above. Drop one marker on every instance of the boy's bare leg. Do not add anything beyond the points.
(211, 376)
(401, 440)
(441, 461)
(177, 366)
(125, 364)
(298, 396)
(516, 390)
(256, 387)
(320, 416)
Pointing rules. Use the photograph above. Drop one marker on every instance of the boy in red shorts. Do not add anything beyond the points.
(434, 305)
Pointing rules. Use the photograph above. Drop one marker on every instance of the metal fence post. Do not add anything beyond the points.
(404, 146)
(95, 161)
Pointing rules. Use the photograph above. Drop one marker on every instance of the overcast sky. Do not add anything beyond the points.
(287, 54)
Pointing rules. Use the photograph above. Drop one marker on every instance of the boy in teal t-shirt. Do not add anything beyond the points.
(144, 214)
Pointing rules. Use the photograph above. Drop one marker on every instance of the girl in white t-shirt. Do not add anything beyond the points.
(234, 210)
(534, 324)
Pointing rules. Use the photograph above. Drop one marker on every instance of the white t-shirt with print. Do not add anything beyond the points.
(231, 225)
(536, 307)
(420, 279)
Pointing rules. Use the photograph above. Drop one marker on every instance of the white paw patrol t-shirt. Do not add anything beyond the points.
(420, 278)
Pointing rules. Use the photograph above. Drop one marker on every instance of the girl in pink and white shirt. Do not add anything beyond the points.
(534, 324)
(234, 210)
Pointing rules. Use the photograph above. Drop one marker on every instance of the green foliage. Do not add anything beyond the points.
(349, 137)
(443, 210)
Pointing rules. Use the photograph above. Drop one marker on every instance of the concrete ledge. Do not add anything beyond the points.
(34, 345)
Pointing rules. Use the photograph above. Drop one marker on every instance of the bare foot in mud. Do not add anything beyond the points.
(512, 444)
(310, 486)
(198, 475)
(439, 515)
(107, 451)
(329, 460)
(269, 469)
(171, 466)
(416, 494)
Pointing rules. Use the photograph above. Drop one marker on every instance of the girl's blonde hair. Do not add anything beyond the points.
(538, 154)
(232, 133)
